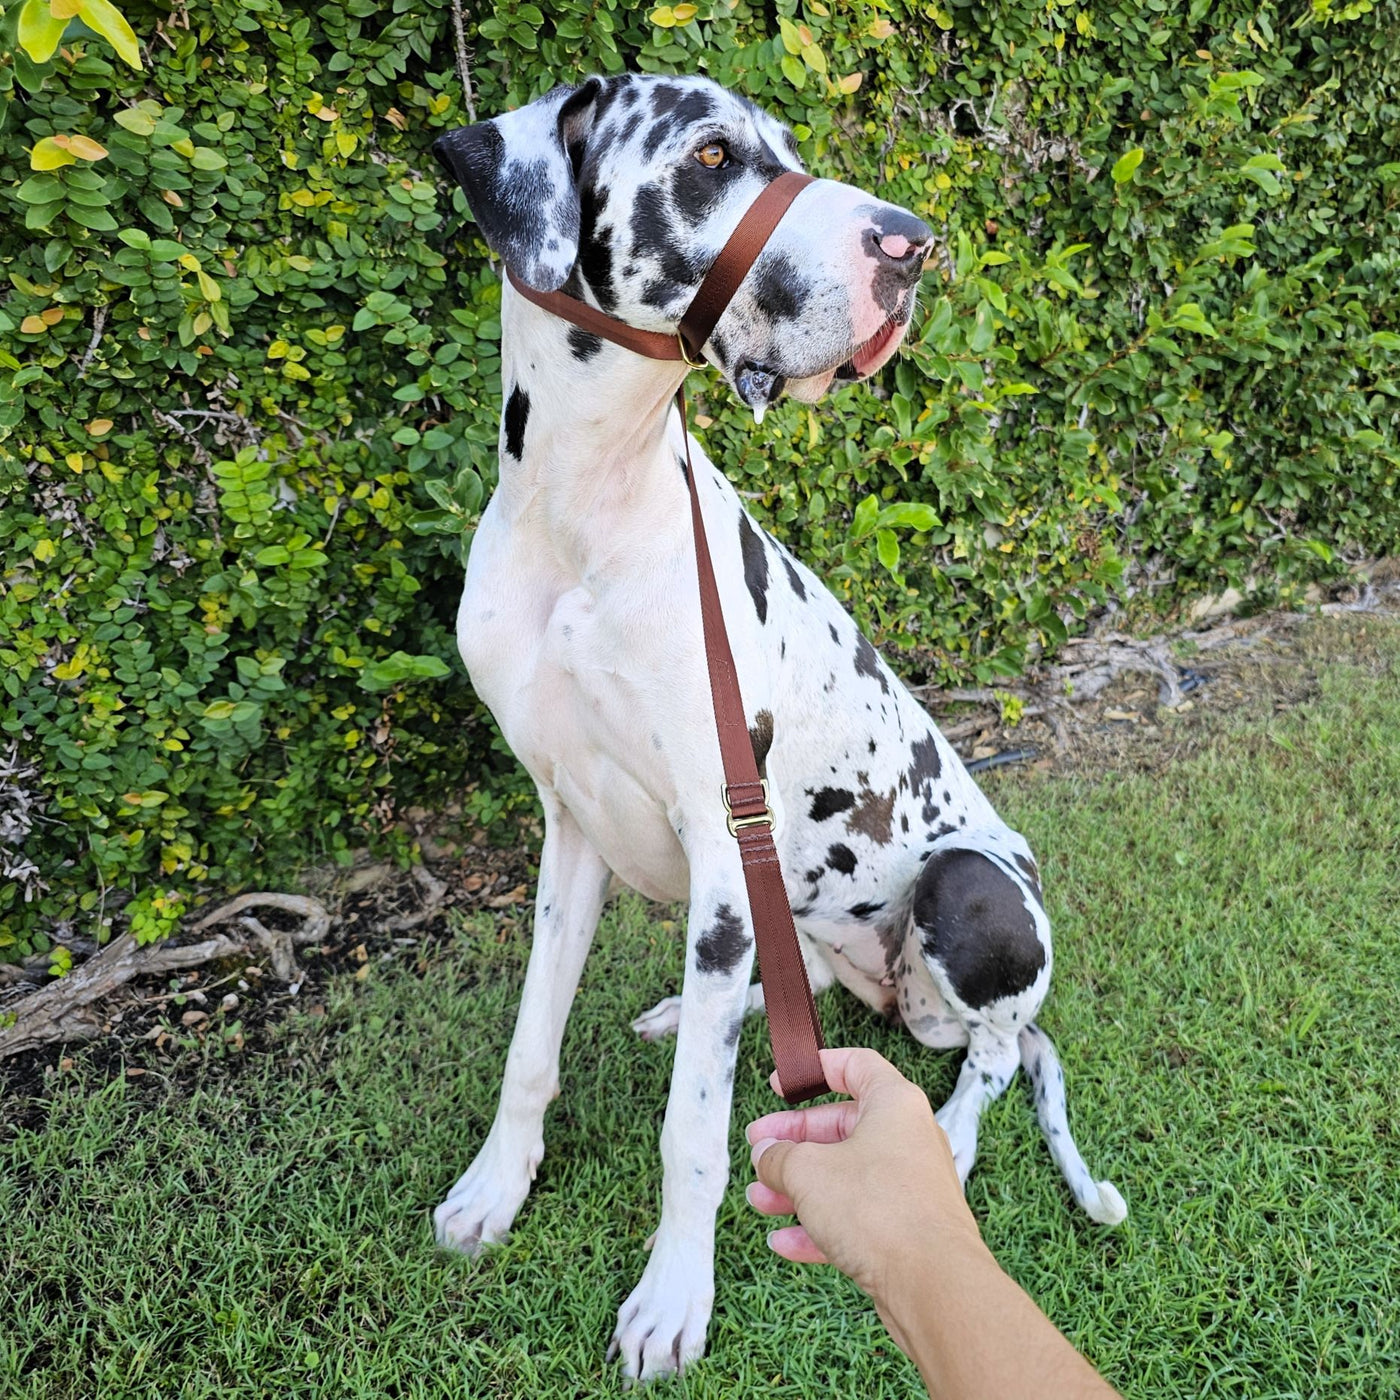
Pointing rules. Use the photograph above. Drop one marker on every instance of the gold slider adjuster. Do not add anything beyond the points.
(694, 364)
(738, 824)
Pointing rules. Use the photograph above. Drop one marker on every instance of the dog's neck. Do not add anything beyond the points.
(595, 462)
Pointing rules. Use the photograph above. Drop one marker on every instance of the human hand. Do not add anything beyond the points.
(871, 1179)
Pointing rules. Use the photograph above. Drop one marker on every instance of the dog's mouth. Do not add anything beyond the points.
(872, 352)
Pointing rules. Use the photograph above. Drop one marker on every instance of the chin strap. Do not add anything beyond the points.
(793, 1027)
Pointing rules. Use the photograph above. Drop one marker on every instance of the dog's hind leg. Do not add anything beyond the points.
(573, 884)
(665, 1016)
(1099, 1199)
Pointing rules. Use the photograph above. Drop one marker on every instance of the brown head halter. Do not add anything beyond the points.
(793, 1027)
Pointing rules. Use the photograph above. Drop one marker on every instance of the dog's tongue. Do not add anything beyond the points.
(758, 388)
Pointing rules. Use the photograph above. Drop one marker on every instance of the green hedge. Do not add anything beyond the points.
(249, 379)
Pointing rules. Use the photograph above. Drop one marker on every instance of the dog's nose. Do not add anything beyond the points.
(898, 239)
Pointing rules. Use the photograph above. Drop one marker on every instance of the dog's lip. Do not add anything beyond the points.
(868, 353)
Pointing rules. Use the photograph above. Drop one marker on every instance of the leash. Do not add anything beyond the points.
(793, 1027)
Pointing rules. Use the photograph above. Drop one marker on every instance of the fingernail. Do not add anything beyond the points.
(748, 1194)
(771, 1235)
(759, 1148)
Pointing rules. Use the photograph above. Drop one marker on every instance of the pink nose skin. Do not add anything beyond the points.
(895, 245)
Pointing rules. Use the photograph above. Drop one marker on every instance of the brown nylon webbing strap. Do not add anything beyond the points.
(735, 259)
(651, 344)
(793, 1027)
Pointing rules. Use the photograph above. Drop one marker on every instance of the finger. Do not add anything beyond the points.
(793, 1242)
(858, 1071)
(767, 1201)
(827, 1122)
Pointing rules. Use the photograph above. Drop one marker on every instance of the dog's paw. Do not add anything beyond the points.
(663, 1019)
(480, 1208)
(661, 1327)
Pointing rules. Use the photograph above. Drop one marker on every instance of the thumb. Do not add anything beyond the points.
(773, 1163)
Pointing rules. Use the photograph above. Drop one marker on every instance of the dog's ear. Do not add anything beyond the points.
(520, 174)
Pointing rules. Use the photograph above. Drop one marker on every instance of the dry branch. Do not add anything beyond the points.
(64, 1010)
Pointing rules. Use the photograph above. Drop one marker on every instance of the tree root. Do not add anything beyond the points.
(65, 1009)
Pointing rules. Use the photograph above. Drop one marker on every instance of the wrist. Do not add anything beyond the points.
(929, 1257)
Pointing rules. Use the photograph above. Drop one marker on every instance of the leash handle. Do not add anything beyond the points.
(793, 1028)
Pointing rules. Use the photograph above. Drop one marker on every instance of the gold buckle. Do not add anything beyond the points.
(694, 364)
(738, 824)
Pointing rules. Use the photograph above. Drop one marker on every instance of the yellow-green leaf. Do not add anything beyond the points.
(184, 146)
(137, 122)
(208, 287)
(664, 17)
(99, 427)
(345, 142)
(814, 58)
(1124, 166)
(685, 13)
(850, 82)
(39, 31)
(51, 153)
(44, 550)
(105, 19)
(792, 40)
(64, 9)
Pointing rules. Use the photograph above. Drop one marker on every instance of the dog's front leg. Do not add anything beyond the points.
(662, 1325)
(573, 885)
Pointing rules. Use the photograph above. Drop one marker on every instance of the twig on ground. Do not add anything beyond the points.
(63, 1009)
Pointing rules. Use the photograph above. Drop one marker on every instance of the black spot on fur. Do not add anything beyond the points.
(779, 288)
(815, 875)
(974, 923)
(835, 635)
(761, 737)
(868, 663)
(731, 1036)
(841, 858)
(755, 565)
(722, 946)
(864, 911)
(794, 579)
(517, 415)
(583, 345)
(697, 192)
(1032, 874)
(829, 801)
(685, 470)
(924, 767)
(594, 252)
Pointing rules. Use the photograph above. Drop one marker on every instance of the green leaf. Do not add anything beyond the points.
(863, 522)
(400, 666)
(1124, 166)
(910, 515)
(887, 547)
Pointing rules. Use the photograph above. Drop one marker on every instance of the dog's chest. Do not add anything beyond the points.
(593, 691)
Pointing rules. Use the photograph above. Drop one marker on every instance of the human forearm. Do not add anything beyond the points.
(972, 1331)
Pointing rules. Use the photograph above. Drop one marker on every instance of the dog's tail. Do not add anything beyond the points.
(1100, 1199)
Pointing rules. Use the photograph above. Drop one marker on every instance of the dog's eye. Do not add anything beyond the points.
(712, 156)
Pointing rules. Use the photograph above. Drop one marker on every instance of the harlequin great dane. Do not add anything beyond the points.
(580, 627)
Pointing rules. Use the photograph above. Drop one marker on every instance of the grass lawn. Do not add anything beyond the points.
(1224, 1002)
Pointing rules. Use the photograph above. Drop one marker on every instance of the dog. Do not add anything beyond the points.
(580, 628)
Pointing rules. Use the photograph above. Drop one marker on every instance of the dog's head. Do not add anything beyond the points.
(623, 191)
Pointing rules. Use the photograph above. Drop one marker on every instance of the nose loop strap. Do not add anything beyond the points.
(735, 259)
